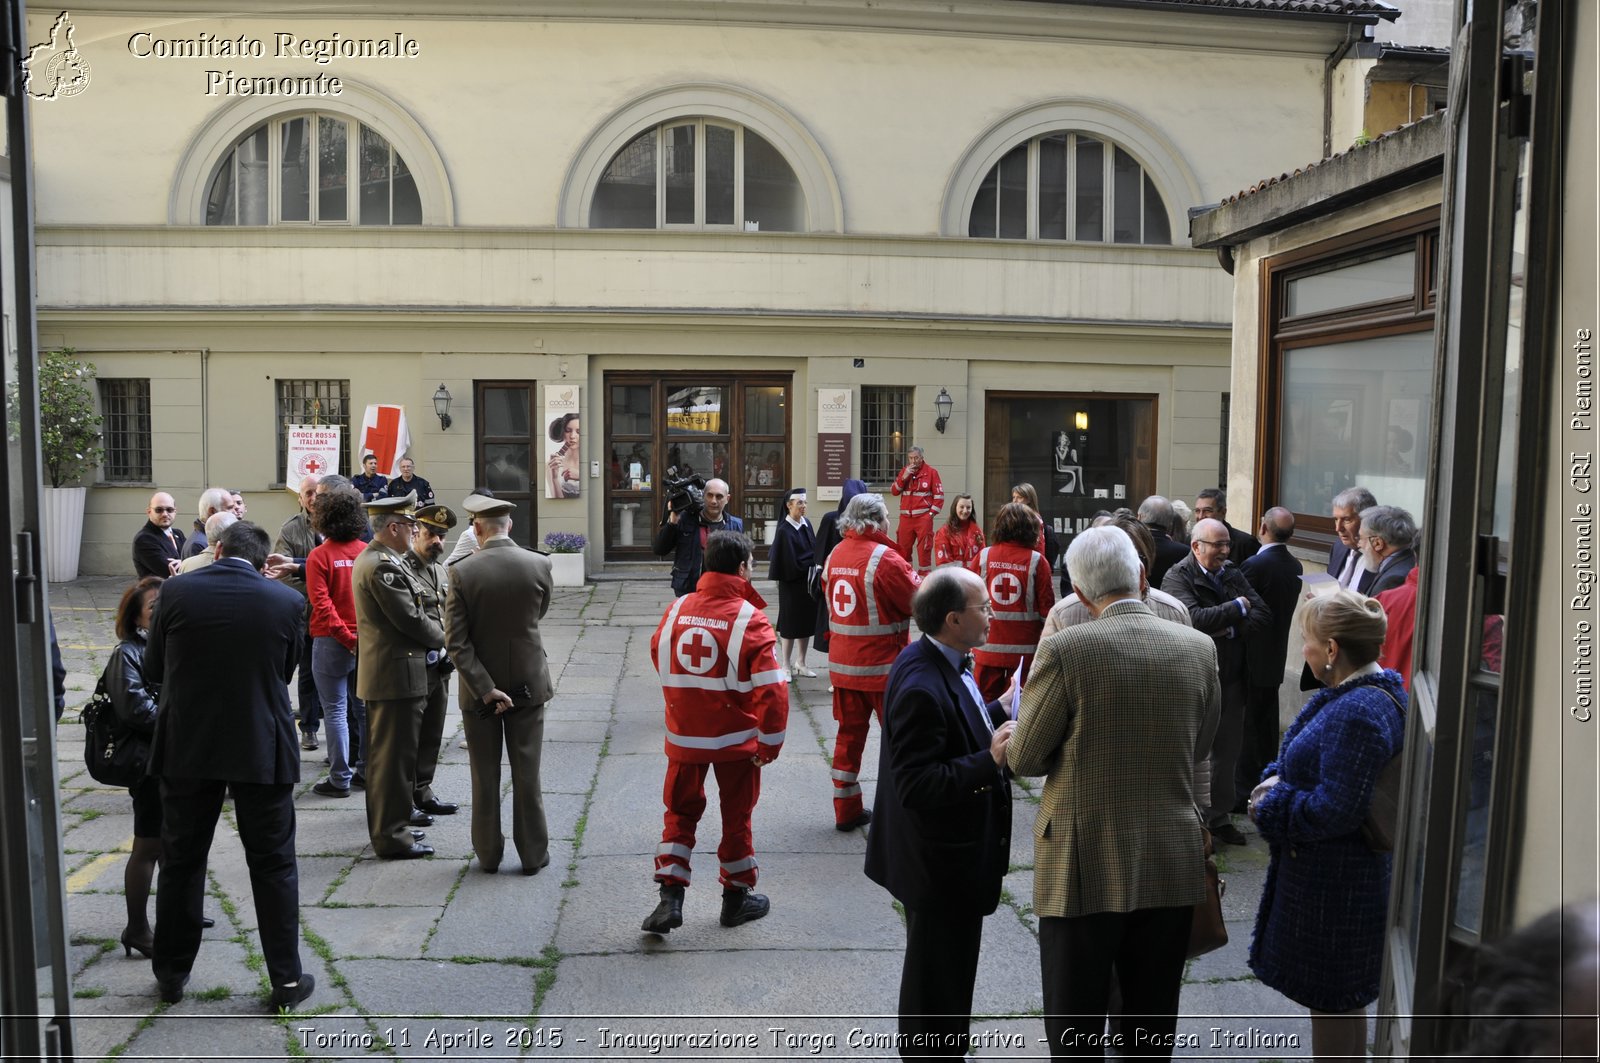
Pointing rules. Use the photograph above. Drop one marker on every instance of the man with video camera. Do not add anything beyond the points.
(695, 509)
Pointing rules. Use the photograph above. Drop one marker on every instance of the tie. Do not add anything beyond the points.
(966, 664)
(1352, 565)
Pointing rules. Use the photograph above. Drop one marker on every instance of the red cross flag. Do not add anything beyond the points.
(313, 450)
(383, 434)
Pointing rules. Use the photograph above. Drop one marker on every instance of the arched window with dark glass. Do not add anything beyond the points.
(313, 168)
(1070, 186)
(697, 173)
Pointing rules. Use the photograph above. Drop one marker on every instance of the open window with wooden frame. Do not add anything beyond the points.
(665, 427)
(1347, 369)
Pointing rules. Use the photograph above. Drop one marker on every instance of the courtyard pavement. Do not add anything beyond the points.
(435, 959)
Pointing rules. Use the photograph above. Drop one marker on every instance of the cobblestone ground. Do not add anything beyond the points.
(435, 959)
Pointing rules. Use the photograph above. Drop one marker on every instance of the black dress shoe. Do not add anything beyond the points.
(526, 870)
(206, 922)
(1230, 834)
(418, 835)
(171, 990)
(416, 852)
(435, 807)
(420, 819)
(287, 996)
(860, 821)
(359, 781)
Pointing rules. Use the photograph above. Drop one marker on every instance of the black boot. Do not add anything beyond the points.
(668, 914)
(739, 905)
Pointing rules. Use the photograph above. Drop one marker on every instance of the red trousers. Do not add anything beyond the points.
(738, 786)
(854, 710)
(992, 678)
(920, 531)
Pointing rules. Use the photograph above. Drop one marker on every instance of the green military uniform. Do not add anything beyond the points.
(395, 634)
(430, 578)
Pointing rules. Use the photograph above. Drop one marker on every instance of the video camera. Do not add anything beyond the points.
(684, 495)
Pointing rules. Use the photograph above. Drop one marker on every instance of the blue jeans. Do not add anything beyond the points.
(334, 668)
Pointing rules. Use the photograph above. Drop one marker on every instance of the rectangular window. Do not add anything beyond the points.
(885, 434)
(125, 428)
(324, 402)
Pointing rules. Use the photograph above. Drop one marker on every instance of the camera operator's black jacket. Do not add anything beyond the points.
(684, 537)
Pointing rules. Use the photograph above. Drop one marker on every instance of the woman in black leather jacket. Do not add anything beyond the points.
(133, 695)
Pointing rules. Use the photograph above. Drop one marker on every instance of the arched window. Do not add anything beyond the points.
(313, 168)
(1066, 185)
(702, 174)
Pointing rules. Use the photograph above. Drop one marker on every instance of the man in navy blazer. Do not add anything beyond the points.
(225, 641)
(1347, 507)
(941, 823)
(1275, 573)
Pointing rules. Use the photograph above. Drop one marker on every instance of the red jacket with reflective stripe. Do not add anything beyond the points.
(920, 492)
(957, 546)
(726, 696)
(869, 588)
(1020, 591)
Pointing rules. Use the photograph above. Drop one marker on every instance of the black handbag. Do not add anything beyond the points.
(114, 754)
(1383, 814)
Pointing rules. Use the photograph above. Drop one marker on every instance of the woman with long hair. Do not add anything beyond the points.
(1319, 932)
(1047, 543)
(789, 565)
(341, 517)
(563, 466)
(960, 538)
(1016, 578)
(133, 696)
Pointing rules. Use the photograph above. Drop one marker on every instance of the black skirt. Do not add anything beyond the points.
(797, 611)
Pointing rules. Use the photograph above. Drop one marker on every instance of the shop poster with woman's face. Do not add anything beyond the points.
(563, 431)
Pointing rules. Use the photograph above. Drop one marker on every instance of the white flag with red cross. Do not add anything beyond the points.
(383, 435)
(313, 450)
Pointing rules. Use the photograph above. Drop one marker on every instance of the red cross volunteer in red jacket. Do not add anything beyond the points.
(727, 707)
(869, 588)
(921, 498)
(1017, 579)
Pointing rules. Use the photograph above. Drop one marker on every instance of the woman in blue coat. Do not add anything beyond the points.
(1319, 933)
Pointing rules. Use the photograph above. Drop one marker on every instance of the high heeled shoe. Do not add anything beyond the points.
(143, 948)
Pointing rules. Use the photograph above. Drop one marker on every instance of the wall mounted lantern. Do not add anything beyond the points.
(441, 406)
(944, 404)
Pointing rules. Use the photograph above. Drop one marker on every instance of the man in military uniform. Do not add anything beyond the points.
(433, 524)
(497, 598)
(297, 538)
(394, 637)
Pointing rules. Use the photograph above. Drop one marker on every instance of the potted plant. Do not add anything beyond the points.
(69, 449)
(566, 557)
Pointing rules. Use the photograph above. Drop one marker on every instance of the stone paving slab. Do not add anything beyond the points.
(1243, 1020)
(413, 989)
(100, 1025)
(571, 770)
(392, 932)
(525, 910)
(180, 1031)
(388, 882)
(806, 913)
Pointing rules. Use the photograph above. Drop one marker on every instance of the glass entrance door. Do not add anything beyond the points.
(509, 448)
(663, 430)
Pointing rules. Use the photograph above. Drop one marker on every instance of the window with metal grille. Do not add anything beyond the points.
(125, 430)
(314, 402)
(885, 434)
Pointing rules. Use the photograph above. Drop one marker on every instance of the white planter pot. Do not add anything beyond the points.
(566, 570)
(63, 531)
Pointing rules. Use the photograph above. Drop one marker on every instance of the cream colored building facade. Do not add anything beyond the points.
(893, 120)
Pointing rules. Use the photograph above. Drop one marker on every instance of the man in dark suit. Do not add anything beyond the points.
(1388, 540)
(1221, 603)
(1344, 556)
(941, 824)
(497, 597)
(1156, 513)
(225, 642)
(409, 483)
(158, 546)
(1275, 574)
(1212, 504)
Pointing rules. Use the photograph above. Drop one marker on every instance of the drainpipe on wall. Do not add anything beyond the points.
(205, 418)
(1332, 61)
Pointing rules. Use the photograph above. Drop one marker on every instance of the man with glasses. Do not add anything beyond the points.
(158, 547)
(394, 637)
(1222, 604)
(409, 483)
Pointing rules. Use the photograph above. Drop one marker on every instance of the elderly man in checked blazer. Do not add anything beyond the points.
(1117, 712)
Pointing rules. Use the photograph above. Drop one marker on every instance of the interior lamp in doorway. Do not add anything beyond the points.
(944, 404)
(441, 406)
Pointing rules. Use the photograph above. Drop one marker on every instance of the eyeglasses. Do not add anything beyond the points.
(984, 607)
(1217, 543)
(163, 509)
